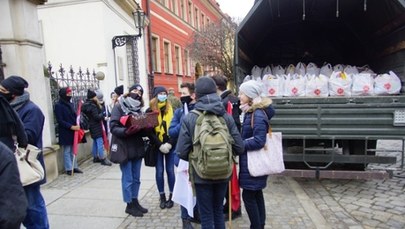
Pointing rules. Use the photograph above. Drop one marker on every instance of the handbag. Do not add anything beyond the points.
(118, 150)
(150, 154)
(30, 168)
(269, 159)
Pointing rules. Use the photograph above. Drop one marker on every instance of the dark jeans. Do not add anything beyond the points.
(210, 199)
(36, 212)
(255, 208)
(165, 161)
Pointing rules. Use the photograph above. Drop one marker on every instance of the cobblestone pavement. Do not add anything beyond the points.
(290, 203)
(359, 203)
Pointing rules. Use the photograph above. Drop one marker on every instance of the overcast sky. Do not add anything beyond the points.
(236, 8)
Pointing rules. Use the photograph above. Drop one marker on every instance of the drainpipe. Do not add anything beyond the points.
(151, 74)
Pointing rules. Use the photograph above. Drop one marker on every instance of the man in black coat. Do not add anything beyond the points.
(66, 116)
(33, 120)
(94, 112)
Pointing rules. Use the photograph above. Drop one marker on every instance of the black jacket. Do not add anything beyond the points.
(228, 96)
(96, 118)
(13, 203)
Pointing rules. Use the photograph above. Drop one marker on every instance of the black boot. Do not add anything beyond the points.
(187, 224)
(138, 206)
(130, 209)
(162, 201)
(169, 202)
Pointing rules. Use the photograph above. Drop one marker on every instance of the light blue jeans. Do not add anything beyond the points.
(130, 179)
(68, 157)
(98, 148)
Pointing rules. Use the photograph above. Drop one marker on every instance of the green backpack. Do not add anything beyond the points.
(211, 157)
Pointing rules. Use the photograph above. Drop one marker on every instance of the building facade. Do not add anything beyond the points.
(172, 23)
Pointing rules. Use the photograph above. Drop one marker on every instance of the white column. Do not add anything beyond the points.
(22, 47)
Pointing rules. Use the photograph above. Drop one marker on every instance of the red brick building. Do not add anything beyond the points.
(172, 23)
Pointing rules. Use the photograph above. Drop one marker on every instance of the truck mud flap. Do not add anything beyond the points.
(338, 174)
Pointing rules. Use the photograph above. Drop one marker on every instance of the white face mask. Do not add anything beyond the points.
(162, 98)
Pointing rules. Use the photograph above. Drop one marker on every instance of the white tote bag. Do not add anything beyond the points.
(30, 168)
(269, 159)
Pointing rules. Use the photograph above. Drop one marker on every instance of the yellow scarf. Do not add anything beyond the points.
(167, 117)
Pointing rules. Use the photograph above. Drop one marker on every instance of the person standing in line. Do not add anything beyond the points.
(131, 104)
(66, 117)
(210, 193)
(188, 98)
(227, 96)
(104, 109)
(254, 137)
(165, 154)
(13, 202)
(172, 98)
(33, 120)
(94, 112)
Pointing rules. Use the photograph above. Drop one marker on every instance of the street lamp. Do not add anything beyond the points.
(118, 41)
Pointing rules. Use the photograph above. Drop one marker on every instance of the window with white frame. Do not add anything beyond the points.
(196, 19)
(175, 7)
(203, 21)
(190, 14)
(187, 62)
(177, 56)
(167, 57)
(155, 54)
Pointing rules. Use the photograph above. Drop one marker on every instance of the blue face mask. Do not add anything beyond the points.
(162, 98)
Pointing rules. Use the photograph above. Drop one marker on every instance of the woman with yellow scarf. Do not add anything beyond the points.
(165, 154)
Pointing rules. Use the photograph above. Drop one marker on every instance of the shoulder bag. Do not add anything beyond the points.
(269, 159)
(30, 168)
(118, 150)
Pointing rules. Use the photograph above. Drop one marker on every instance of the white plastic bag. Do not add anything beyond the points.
(340, 84)
(312, 69)
(294, 85)
(266, 71)
(278, 70)
(363, 84)
(300, 69)
(273, 85)
(351, 70)
(317, 86)
(338, 68)
(256, 72)
(290, 70)
(247, 78)
(387, 84)
(326, 70)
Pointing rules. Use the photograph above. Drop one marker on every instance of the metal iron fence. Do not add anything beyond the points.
(79, 81)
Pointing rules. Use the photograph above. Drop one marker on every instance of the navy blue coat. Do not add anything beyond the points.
(66, 117)
(254, 138)
(33, 120)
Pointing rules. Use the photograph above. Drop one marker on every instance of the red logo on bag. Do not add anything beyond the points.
(387, 86)
(272, 91)
(317, 92)
(340, 91)
(294, 90)
(366, 88)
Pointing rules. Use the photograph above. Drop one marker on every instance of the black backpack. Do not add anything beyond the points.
(84, 121)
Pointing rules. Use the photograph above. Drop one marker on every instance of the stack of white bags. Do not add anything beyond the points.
(311, 81)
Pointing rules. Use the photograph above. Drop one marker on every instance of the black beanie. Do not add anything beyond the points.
(91, 94)
(205, 85)
(119, 90)
(136, 86)
(158, 89)
(15, 85)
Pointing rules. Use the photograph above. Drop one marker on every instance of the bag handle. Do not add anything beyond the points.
(251, 121)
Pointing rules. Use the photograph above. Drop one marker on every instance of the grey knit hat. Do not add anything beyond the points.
(251, 89)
